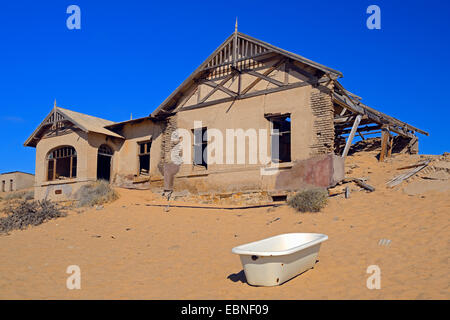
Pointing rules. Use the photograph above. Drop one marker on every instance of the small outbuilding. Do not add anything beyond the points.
(15, 181)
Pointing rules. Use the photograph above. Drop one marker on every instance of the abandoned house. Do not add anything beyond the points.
(244, 84)
(15, 181)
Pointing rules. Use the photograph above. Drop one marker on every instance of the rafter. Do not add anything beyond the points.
(265, 74)
(218, 87)
(244, 96)
(268, 79)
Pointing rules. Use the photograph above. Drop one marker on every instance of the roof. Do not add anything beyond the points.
(84, 122)
(90, 123)
(16, 172)
(120, 124)
(222, 56)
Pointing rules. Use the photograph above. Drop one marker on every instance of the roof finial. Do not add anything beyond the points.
(236, 26)
(54, 104)
(131, 116)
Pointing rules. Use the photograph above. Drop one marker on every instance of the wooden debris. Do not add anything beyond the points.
(360, 182)
(351, 136)
(385, 135)
(400, 178)
(364, 185)
(414, 165)
(347, 192)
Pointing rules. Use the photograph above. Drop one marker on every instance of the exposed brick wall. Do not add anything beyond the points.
(322, 108)
(167, 144)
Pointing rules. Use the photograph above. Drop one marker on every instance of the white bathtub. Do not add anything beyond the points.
(275, 260)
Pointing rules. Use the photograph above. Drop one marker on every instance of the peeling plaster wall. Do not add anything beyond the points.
(128, 161)
(312, 130)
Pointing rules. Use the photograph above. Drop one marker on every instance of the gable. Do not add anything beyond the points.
(261, 75)
(242, 57)
(62, 121)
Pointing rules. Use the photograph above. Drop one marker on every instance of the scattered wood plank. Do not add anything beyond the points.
(359, 182)
(414, 165)
(400, 178)
(364, 185)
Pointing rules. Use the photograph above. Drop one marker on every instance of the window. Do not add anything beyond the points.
(144, 158)
(281, 131)
(11, 185)
(200, 147)
(3, 186)
(62, 164)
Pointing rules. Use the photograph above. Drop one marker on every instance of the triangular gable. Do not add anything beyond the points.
(59, 116)
(238, 48)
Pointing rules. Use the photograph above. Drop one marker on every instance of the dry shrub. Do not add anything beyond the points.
(21, 195)
(309, 200)
(29, 213)
(95, 193)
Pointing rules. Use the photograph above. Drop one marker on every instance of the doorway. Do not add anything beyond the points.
(104, 158)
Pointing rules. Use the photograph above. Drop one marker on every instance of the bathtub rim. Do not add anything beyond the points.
(320, 238)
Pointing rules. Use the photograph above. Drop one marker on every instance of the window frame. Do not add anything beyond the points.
(203, 145)
(147, 152)
(280, 134)
(62, 152)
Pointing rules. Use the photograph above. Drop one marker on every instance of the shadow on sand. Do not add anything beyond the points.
(236, 277)
(240, 276)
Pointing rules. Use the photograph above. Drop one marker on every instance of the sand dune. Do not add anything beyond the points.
(129, 250)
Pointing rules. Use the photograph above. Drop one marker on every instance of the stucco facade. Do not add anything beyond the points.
(250, 114)
(123, 162)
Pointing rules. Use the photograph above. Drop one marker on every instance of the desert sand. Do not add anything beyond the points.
(129, 250)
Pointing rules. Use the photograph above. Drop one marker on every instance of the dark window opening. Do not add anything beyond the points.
(144, 158)
(62, 164)
(281, 130)
(200, 147)
(104, 157)
(278, 198)
(3, 186)
(11, 185)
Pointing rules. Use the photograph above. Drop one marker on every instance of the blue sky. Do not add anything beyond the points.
(130, 55)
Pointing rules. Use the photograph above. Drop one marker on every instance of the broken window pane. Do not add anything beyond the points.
(200, 147)
(61, 164)
(144, 158)
(281, 138)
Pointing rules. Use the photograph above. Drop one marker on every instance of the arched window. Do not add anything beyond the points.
(62, 164)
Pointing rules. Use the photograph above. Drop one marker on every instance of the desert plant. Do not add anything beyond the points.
(309, 200)
(20, 195)
(29, 195)
(29, 213)
(95, 193)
